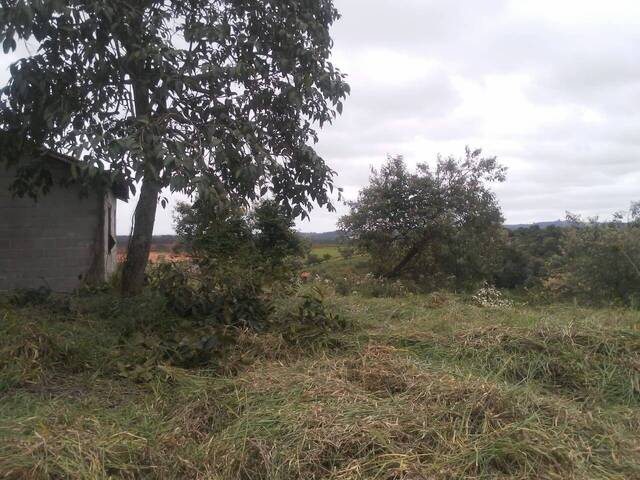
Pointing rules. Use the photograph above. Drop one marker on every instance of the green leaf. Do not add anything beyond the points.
(9, 44)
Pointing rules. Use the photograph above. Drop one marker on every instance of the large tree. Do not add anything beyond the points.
(438, 221)
(218, 96)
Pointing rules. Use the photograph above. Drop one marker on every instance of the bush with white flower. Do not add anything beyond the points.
(490, 297)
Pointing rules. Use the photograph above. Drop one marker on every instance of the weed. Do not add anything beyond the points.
(309, 320)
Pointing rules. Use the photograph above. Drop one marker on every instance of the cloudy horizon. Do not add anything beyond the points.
(548, 87)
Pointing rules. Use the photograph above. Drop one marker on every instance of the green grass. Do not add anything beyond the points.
(326, 249)
(423, 386)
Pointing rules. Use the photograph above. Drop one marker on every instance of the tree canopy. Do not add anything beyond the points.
(430, 222)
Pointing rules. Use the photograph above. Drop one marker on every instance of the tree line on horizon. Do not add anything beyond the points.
(441, 227)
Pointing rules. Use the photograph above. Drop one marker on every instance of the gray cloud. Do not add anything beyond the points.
(551, 88)
(553, 94)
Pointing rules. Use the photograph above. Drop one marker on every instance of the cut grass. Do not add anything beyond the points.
(587, 364)
(425, 387)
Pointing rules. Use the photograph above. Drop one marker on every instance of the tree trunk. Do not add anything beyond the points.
(413, 251)
(140, 241)
(145, 214)
(420, 245)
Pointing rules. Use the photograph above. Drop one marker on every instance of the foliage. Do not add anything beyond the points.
(225, 243)
(314, 259)
(129, 316)
(274, 235)
(320, 254)
(37, 296)
(201, 346)
(371, 285)
(262, 238)
(225, 295)
(600, 261)
(212, 231)
(221, 96)
(309, 320)
(525, 257)
(346, 251)
(437, 224)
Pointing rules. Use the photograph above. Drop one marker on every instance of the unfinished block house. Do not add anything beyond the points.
(63, 239)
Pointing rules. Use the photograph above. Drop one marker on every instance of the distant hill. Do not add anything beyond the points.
(334, 237)
(321, 238)
(157, 239)
(555, 223)
(160, 243)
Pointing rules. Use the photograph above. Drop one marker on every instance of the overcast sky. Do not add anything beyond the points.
(551, 87)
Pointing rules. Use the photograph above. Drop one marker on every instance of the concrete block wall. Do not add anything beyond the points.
(50, 242)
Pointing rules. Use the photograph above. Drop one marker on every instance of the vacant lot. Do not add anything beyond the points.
(420, 387)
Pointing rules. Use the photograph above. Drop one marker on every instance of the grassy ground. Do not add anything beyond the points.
(422, 387)
(321, 250)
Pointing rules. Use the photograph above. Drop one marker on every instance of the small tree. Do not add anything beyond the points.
(237, 253)
(443, 221)
(260, 237)
(219, 96)
(274, 235)
(213, 232)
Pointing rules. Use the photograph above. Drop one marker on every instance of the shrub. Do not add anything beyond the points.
(41, 297)
(128, 315)
(439, 299)
(32, 296)
(491, 297)
(600, 262)
(191, 347)
(314, 259)
(438, 222)
(370, 285)
(346, 251)
(523, 260)
(344, 286)
(262, 237)
(274, 235)
(224, 295)
(309, 320)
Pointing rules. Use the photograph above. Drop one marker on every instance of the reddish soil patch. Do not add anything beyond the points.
(161, 253)
(167, 257)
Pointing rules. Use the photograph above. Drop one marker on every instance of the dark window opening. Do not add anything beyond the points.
(111, 240)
